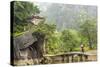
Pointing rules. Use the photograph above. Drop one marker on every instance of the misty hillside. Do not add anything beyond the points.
(66, 15)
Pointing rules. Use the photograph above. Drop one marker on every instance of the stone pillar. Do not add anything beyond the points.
(86, 57)
(62, 58)
(81, 59)
(67, 56)
(72, 58)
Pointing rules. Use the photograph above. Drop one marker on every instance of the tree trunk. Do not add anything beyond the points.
(89, 40)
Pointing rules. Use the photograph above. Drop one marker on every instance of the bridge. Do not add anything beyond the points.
(69, 57)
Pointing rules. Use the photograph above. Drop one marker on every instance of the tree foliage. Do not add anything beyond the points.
(88, 30)
(52, 40)
(70, 39)
(22, 11)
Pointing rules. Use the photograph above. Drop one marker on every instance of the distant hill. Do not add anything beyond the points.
(66, 15)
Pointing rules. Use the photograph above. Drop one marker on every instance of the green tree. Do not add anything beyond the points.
(22, 11)
(89, 31)
(51, 39)
(70, 39)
